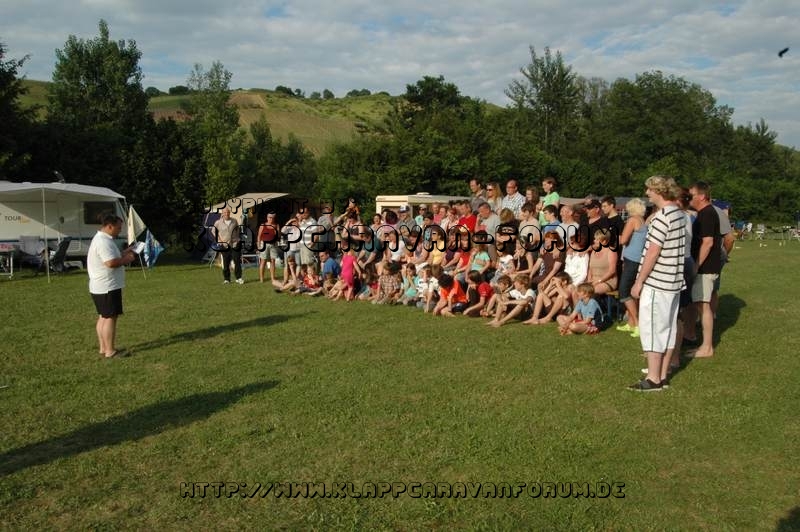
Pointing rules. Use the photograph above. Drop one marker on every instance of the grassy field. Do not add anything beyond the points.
(316, 123)
(240, 384)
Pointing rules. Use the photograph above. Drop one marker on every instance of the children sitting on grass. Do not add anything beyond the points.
(479, 292)
(389, 285)
(554, 299)
(409, 286)
(501, 289)
(452, 299)
(587, 316)
(427, 287)
(518, 305)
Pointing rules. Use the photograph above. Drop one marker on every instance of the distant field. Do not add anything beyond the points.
(37, 94)
(316, 123)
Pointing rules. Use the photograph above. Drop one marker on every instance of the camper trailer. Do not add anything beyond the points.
(412, 200)
(54, 211)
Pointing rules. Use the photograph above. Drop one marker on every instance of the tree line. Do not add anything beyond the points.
(593, 136)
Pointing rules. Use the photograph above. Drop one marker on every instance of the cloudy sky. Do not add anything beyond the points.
(729, 48)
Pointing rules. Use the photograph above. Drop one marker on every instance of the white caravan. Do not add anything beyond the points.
(53, 211)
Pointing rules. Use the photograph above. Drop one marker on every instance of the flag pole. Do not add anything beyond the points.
(133, 232)
(141, 263)
(44, 236)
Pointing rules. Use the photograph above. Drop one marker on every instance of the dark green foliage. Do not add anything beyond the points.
(269, 165)
(214, 124)
(179, 90)
(152, 92)
(327, 94)
(15, 122)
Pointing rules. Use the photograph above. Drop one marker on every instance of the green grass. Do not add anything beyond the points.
(238, 383)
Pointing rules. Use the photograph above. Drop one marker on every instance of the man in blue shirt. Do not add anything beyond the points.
(329, 265)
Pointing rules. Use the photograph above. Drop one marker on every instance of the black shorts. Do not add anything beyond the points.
(108, 305)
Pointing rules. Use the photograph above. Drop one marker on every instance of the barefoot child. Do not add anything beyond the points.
(503, 285)
(586, 317)
(518, 304)
(554, 299)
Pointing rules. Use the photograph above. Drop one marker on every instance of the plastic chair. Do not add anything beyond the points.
(57, 261)
(32, 251)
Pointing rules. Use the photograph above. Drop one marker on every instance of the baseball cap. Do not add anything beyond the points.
(404, 208)
(592, 203)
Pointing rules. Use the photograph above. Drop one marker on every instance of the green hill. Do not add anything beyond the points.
(316, 123)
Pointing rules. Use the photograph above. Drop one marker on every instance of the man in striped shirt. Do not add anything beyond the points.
(660, 281)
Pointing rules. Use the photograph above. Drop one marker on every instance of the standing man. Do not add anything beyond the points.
(478, 195)
(405, 220)
(513, 199)
(467, 219)
(594, 214)
(660, 281)
(104, 264)
(268, 246)
(707, 255)
(229, 245)
(327, 240)
(309, 247)
(613, 221)
(488, 221)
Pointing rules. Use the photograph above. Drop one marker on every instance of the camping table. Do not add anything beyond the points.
(7, 260)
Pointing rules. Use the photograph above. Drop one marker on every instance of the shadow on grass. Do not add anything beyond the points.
(728, 312)
(790, 522)
(135, 425)
(210, 332)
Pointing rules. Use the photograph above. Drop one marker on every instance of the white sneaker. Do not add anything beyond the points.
(239, 281)
(226, 282)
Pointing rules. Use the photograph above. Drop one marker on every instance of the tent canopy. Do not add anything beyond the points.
(51, 189)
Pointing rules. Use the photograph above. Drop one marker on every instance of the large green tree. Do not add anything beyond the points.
(98, 83)
(214, 123)
(550, 90)
(15, 122)
(97, 110)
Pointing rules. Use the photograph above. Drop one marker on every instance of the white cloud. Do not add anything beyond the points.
(730, 49)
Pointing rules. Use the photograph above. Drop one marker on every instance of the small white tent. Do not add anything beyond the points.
(53, 211)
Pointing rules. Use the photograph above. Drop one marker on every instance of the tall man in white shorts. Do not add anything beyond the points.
(660, 281)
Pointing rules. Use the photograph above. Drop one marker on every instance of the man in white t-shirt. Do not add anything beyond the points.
(104, 263)
(660, 281)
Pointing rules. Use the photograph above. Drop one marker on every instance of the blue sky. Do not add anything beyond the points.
(729, 48)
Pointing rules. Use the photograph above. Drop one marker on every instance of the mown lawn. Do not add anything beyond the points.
(238, 383)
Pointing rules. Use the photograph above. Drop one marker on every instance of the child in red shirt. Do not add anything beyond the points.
(479, 292)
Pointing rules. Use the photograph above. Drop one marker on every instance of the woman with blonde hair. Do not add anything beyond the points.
(494, 196)
(632, 239)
